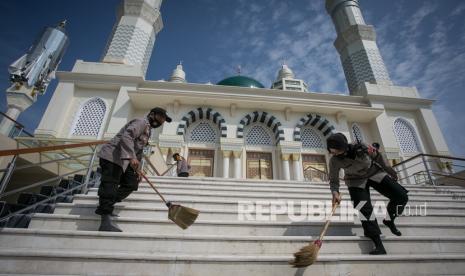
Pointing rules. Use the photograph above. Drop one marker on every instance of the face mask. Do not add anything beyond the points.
(154, 123)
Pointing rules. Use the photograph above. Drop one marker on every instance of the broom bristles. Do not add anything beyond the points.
(182, 216)
(307, 255)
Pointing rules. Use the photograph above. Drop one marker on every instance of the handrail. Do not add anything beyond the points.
(409, 167)
(167, 170)
(11, 119)
(313, 168)
(428, 171)
(17, 124)
(449, 176)
(49, 148)
(33, 206)
(46, 162)
(429, 155)
(37, 184)
(155, 169)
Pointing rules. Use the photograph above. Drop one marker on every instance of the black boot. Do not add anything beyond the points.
(392, 226)
(98, 212)
(379, 247)
(108, 225)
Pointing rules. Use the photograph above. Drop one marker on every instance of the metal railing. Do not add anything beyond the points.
(148, 167)
(47, 200)
(82, 154)
(309, 175)
(18, 129)
(422, 169)
(80, 159)
(62, 149)
(430, 169)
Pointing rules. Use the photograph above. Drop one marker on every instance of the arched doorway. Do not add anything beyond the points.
(312, 130)
(202, 129)
(261, 132)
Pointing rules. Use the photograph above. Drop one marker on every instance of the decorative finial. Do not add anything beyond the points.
(178, 74)
(239, 69)
(62, 24)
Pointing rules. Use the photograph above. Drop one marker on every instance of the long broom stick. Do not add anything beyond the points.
(307, 255)
(182, 216)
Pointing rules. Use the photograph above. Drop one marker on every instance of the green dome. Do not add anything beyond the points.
(241, 81)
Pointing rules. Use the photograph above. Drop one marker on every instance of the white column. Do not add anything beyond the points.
(6, 124)
(18, 99)
(164, 153)
(432, 132)
(237, 164)
(134, 33)
(286, 170)
(226, 156)
(296, 166)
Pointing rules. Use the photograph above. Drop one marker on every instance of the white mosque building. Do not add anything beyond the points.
(237, 128)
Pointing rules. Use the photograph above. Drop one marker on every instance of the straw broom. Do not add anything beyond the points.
(307, 255)
(182, 216)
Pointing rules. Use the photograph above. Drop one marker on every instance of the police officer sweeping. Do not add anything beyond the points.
(364, 167)
(119, 161)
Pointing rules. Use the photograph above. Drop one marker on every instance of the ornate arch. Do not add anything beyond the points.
(406, 136)
(89, 118)
(200, 114)
(357, 133)
(261, 117)
(318, 122)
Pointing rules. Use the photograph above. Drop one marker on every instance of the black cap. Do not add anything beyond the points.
(337, 141)
(161, 111)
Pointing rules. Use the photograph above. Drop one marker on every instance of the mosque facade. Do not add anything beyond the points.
(238, 128)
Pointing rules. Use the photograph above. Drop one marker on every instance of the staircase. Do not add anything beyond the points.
(66, 242)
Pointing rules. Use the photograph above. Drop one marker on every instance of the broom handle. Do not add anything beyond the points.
(328, 221)
(153, 187)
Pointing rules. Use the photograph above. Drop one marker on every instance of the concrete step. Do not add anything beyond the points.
(18, 261)
(29, 239)
(249, 228)
(258, 195)
(213, 187)
(432, 214)
(222, 183)
(214, 200)
(281, 194)
(275, 183)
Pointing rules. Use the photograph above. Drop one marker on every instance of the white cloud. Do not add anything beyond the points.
(438, 38)
(458, 10)
(279, 11)
(426, 9)
(255, 8)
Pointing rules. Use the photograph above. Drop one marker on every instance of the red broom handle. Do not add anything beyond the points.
(328, 220)
(153, 187)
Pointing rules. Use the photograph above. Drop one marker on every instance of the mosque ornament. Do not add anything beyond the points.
(35, 69)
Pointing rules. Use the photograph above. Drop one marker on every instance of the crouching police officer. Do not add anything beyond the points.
(119, 160)
(365, 167)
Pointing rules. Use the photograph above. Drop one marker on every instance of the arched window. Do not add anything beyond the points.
(406, 136)
(203, 132)
(357, 133)
(90, 118)
(258, 134)
(311, 139)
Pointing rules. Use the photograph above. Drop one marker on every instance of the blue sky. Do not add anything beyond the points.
(422, 42)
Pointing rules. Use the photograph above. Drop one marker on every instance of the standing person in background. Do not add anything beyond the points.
(120, 159)
(182, 168)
